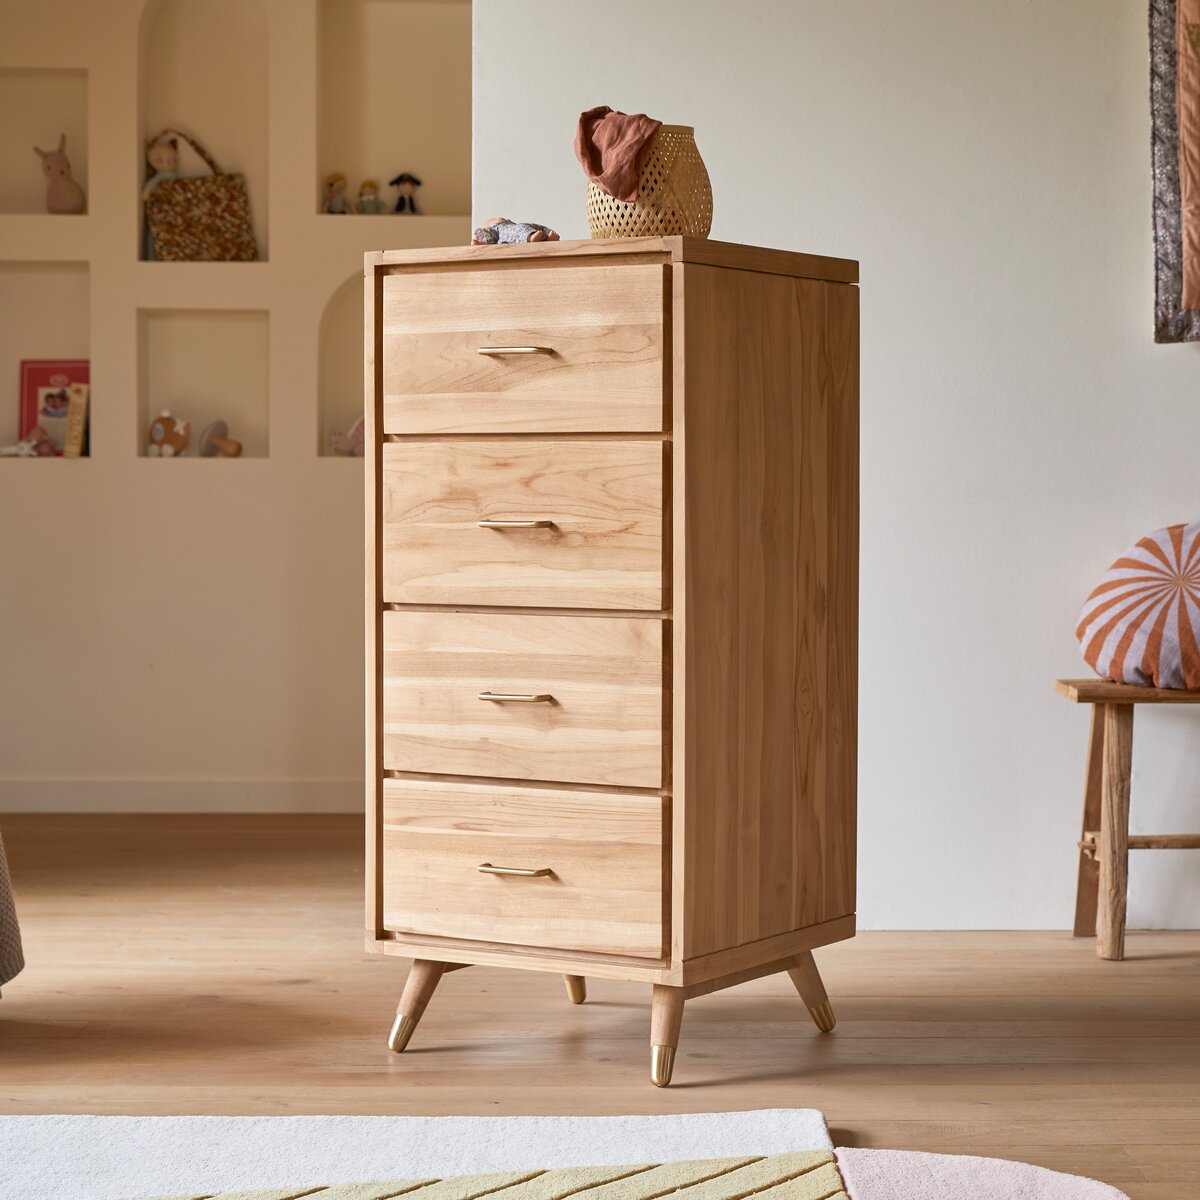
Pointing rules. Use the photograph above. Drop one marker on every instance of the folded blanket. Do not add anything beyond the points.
(11, 958)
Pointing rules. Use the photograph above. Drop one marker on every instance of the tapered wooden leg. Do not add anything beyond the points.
(576, 988)
(666, 1015)
(1087, 888)
(808, 983)
(1113, 847)
(423, 978)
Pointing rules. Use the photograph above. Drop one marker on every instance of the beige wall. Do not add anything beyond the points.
(188, 634)
(990, 166)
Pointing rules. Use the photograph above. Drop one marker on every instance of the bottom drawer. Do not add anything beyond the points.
(598, 859)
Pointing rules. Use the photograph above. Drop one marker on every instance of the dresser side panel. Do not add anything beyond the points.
(766, 422)
(373, 591)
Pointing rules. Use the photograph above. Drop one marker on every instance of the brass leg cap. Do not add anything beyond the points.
(662, 1064)
(576, 988)
(402, 1031)
(823, 1016)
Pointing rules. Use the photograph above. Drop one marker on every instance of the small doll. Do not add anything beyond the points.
(406, 192)
(162, 162)
(336, 201)
(506, 232)
(369, 203)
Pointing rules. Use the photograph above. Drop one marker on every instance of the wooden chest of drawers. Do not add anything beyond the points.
(612, 546)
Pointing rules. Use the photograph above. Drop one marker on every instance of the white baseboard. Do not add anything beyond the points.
(181, 796)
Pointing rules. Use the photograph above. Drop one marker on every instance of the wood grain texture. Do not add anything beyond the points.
(1165, 841)
(604, 548)
(372, 585)
(666, 1016)
(735, 959)
(1113, 848)
(742, 961)
(205, 964)
(765, 556)
(604, 724)
(806, 979)
(422, 981)
(707, 251)
(1101, 691)
(1147, 841)
(604, 895)
(1087, 886)
(602, 322)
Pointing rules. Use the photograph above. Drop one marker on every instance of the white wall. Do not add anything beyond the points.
(989, 165)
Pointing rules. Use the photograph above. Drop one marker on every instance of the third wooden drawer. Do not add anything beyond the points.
(563, 524)
(565, 699)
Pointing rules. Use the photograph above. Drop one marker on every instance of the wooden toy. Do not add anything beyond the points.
(168, 437)
(215, 440)
(63, 194)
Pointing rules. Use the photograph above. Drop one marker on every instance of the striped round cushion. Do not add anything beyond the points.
(1141, 624)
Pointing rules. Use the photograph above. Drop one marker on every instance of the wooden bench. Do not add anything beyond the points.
(1104, 847)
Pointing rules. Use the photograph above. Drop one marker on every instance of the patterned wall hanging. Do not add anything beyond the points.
(1175, 106)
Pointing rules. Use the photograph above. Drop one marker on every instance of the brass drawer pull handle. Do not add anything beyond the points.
(517, 698)
(496, 351)
(524, 872)
(514, 524)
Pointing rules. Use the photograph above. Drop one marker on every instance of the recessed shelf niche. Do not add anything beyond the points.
(43, 314)
(394, 95)
(203, 70)
(340, 369)
(205, 365)
(37, 106)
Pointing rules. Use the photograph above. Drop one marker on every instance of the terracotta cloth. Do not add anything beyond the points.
(610, 145)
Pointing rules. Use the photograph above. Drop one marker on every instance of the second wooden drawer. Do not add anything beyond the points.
(584, 696)
(596, 541)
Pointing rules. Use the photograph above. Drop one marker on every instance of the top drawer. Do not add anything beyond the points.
(595, 332)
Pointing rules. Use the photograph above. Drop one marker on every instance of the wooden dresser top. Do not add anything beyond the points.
(672, 249)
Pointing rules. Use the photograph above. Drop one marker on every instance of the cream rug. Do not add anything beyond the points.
(768, 1154)
(132, 1158)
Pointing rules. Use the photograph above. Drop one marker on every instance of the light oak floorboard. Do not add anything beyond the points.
(214, 964)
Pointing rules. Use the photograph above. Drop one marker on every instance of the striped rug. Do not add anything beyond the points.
(806, 1175)
(811, 1175)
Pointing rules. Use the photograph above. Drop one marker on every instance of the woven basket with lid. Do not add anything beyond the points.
(674, 193)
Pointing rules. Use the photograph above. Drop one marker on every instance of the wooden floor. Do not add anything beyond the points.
(214, 965)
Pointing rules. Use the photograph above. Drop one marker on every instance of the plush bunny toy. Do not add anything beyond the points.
(63, 194)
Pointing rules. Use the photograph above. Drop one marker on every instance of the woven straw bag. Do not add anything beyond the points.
(674, 193)
(202, 219)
